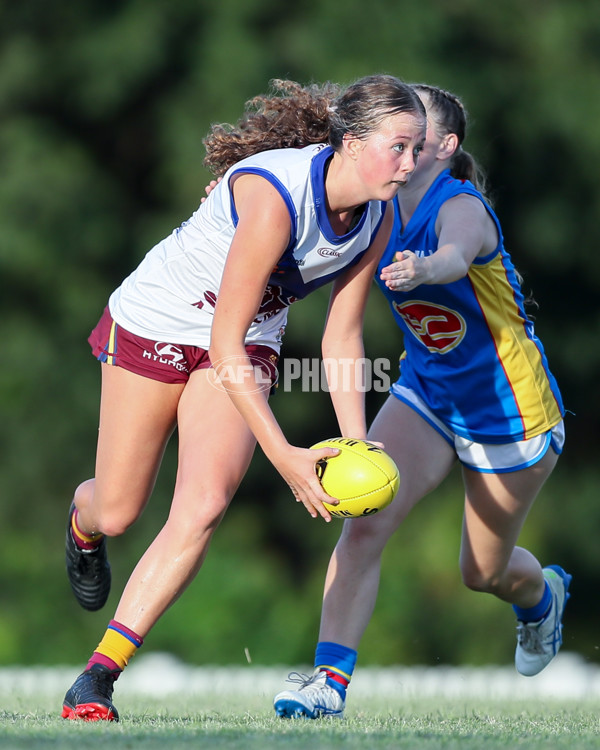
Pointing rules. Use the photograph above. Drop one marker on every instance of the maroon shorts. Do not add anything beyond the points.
(160, 360)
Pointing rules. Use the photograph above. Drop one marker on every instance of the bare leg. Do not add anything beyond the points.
(496, 506)
(137, 417)
(424, 458)
(209, 473)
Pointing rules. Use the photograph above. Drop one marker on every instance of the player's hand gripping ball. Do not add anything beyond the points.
(362, 477)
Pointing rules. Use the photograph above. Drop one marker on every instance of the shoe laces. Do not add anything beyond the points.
(530, 638)
(103, 682)
(90, 561)
(539, 637)
(304, 680)
(315, 688)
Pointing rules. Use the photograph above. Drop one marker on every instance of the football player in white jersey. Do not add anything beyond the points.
(306, 169)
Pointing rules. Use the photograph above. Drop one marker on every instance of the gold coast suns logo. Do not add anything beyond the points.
(437, 327)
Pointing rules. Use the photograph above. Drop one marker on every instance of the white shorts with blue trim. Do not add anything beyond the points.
(488, 458)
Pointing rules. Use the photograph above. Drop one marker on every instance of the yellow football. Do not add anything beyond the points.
(362, 477)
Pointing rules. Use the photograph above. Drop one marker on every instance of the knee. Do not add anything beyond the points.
(200, 517)
(111, 519)
(84, 494)
(362, 537)
(207, 519)
(115, 523)
(476, 579)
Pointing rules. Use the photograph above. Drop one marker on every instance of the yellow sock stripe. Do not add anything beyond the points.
(78, 532)
(337, 671)
(117, 647)
(111, 344)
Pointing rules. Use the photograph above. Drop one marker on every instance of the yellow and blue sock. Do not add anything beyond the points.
(539, 611)
(116, 648)
(338, 662)
(83, 540)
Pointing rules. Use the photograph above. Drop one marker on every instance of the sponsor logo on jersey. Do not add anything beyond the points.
(329, 252)
(437, 327)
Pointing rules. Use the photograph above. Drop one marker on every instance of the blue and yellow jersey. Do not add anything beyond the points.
(471, 352)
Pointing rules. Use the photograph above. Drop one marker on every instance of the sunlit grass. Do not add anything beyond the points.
(248, 722)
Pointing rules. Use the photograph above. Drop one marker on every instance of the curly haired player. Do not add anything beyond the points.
(191, 338)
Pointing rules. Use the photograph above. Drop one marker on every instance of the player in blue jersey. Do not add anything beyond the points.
(474, 387)
(192, 336)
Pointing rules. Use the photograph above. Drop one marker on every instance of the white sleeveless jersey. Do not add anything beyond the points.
(172, 294)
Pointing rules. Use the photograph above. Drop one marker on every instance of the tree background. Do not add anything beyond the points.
(103, 107)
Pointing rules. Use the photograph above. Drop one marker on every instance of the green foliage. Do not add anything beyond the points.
(103, 109)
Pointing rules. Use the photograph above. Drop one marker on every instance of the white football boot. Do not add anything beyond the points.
(313, 699)
(538, 642)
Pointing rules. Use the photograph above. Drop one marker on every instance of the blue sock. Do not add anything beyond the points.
(338, 661)
(533, 614)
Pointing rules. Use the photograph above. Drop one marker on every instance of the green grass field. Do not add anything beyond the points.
(419, 724)
(232, 709)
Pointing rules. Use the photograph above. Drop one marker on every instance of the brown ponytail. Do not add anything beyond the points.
(449, 116)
